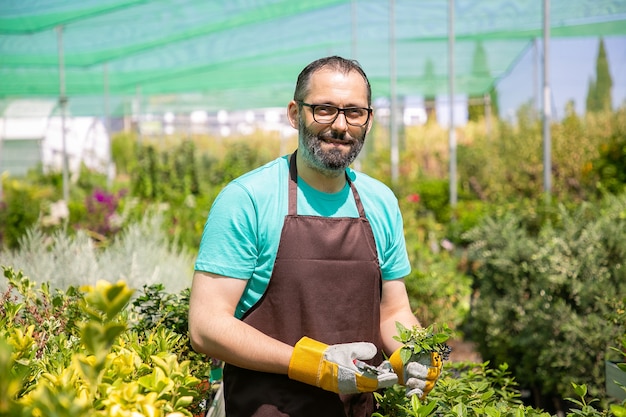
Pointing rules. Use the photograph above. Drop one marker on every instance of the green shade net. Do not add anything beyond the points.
(177, 55)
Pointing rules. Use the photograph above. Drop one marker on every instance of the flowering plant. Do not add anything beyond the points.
(418, 340)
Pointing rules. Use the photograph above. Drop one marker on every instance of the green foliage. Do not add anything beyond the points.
(544, 298)
(539, 248)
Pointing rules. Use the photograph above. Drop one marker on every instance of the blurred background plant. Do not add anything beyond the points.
(532, 284)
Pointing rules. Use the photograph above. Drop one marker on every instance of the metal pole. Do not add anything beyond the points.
(451, 133)
(547, 146)
(138, 110)
(395, 153)
(62, 108)
(353, 14)
(2, 136)
(107, 122)
(353, 54)
(487, 99)
(536, 100)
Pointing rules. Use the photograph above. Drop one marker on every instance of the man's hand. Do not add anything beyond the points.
(419, 374)
(333, 367)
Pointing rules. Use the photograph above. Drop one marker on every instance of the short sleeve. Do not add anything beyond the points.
(395, 260)
(228, 245)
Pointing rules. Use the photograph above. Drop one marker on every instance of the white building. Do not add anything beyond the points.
(31, 136)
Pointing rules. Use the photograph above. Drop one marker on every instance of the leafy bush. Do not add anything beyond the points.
(463, 389)
(543, 300)
(155, 308)
(92, 368)
(19, 209)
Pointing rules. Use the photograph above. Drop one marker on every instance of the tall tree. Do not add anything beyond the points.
(429, 96)
(481, 75)
(599, 93)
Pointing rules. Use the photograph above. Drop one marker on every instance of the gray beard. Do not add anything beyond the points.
(331, 163)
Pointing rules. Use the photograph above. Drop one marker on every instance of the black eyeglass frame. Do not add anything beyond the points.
(339, 110)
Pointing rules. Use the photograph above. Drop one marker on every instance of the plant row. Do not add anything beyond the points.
(100, 351)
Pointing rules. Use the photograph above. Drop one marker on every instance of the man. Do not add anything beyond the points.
(298, 283)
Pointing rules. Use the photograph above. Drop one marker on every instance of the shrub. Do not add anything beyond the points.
(124, 152)
(20, 208)
(543, 300)
(608, 170)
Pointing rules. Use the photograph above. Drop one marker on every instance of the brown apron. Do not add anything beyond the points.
(326, 285)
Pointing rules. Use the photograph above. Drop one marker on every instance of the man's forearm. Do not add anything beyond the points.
(233, 341)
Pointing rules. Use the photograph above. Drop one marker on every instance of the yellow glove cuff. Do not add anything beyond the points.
(306, 358)
(396, 363)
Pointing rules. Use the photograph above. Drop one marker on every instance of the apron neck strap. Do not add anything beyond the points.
(293, 189)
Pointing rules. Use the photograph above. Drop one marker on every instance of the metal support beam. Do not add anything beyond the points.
(451, 132)
(393, 111)
(547, 115)
(63, 110)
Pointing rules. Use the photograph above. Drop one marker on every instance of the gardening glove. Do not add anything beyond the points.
(419, 374)
(338, 368)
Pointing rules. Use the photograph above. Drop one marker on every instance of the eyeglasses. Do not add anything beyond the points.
(327, 114)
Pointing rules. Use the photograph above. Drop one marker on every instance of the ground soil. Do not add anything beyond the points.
(463, 351)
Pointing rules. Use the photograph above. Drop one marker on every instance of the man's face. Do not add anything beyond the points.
(331, 148)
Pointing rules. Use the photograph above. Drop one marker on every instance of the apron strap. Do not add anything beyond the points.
(293, 189)
(293, 185)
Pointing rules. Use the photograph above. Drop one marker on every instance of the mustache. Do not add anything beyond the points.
(334, 135)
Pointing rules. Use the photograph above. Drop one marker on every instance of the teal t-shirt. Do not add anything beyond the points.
(242, 231)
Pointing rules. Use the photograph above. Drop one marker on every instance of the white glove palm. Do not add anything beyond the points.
(334, 368)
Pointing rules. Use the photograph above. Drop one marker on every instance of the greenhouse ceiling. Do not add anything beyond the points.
(181, 55)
